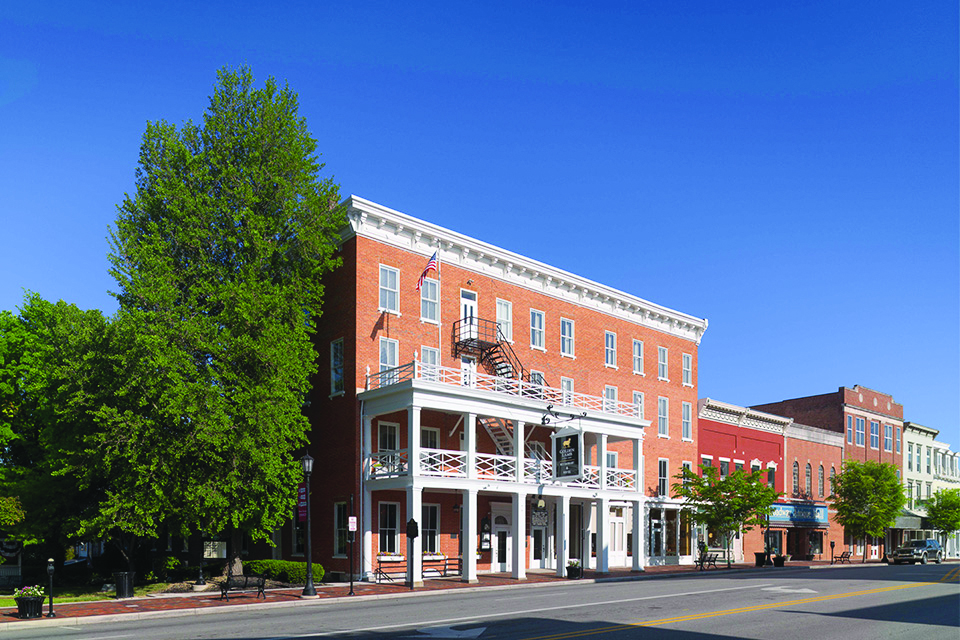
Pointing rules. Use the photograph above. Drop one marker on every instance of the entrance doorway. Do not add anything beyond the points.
(469, 324)
(541, 552)
(618, 547)
(502, 545)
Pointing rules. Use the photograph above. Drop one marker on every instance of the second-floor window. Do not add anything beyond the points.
(662, 477)
(688, 369)
(389, 289)
(796, 478)
(638, 403)
(566, 390)
(820, 481)
(336, 367)
(687, 421)
(388, 360)
(638, 356)
(909, 456)
(874, 434)
(662, 371)
(505, 319)
(861, 431)
(898, 439)
(850, 429)
(888, 437)
(610, 349)
(928, 460)
(430, 300)
(772, 477)
(536, 329)
(566, 337)
(610, 398)
(808, 480)
(663, 410)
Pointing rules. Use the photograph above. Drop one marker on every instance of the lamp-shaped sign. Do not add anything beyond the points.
(567, 455)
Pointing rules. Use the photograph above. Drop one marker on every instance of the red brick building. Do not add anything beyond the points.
(799, 461)
(870, 424)
(442, 405)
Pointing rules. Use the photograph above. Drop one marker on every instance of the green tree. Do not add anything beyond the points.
(219, 257)
(737, 502)
(943, 511)
(867, 497)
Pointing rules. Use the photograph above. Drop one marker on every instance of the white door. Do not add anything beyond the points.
(502, 545)
(541, 549)
(468, 315)
(468, 371)
(618, 538)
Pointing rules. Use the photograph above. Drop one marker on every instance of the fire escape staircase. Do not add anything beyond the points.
(501, 432)
(484, 340)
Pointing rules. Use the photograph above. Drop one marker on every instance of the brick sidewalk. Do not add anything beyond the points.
(201, 602)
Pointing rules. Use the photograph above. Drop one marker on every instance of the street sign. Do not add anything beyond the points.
(351, 523)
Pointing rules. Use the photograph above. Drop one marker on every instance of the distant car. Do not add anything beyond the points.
(920, 551)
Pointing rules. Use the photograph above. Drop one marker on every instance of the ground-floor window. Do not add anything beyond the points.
(431, 528)
(773, 542)
(668, 533)
(340, 529)
(388, 527)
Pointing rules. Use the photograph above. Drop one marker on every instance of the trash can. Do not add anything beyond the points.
(124, 584)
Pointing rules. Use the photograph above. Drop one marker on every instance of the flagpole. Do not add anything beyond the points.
(439, 312)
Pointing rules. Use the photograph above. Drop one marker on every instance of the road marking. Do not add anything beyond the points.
(788, 590)
(716, 614)
(449, 632)
(504, 614)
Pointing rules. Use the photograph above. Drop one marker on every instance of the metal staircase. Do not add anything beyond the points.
(484, 340)
(501, 432)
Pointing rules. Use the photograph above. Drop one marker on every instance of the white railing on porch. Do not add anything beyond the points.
(447, 463)
(417, 370)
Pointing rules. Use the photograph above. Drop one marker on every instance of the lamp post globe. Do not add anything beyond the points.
(50, 613)
(308, 590)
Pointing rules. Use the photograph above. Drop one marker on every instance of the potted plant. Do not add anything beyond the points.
(779, 560)
(574, 570)
(29, 601)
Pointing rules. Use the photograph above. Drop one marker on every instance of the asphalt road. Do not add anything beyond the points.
(851, 603)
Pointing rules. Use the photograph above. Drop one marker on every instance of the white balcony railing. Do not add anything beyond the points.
(446, 463)
(475, 380)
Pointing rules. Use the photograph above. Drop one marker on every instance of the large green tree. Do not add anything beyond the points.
(738, 502)
(867, 497)
(943, 511)
(219, 257)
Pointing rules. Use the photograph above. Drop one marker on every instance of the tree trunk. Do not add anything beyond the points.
(726, 540)
(234, 545)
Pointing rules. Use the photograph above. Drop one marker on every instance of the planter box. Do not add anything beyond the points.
(778, 561)
(574, 573)
(29, 607)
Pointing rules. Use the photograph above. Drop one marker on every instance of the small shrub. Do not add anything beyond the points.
(284, 570)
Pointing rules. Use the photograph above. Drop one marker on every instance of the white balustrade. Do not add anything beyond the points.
(388, 464)
(443, 462)
(494, 467)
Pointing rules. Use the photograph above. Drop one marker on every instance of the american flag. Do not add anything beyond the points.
(432, 263)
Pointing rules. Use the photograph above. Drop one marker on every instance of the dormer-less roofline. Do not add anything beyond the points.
(371, 220)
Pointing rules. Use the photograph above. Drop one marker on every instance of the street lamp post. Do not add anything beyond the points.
(308, 590)
(50, 613)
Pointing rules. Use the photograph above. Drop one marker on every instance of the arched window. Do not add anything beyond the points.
(808, 481)
(820, 481)
(796, 477)
(833, 475)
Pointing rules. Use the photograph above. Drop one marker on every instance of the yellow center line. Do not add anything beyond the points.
(727, 612)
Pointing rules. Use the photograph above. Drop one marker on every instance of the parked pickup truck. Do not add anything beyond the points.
(919, 551)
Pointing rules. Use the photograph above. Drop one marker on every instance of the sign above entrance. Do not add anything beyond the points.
(567, 455)
(799, 514)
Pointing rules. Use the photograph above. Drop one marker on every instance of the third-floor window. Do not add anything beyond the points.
(536, 329)
(566, 337)
(610, 349)
(662, 372)
(505, 318)
(688, 369)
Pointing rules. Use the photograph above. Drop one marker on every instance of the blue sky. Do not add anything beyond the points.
(787, 170)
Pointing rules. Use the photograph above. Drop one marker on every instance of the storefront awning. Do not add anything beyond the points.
(907, 520)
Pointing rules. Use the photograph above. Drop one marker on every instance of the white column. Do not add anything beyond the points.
(413, 443)
(470, 440)
(563, 534)
(602, 458)
(639, 539)
(518, 428)
(469, 536)
(366, 553)
(413, 551)
(603, 535)
(366, 520)
(519, 535)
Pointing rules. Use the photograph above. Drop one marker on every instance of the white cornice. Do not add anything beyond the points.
(371, 220)
(732, 414)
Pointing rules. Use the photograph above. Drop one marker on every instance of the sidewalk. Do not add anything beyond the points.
(208, 602)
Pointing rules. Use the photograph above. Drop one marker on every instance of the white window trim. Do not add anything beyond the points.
(509, 320)
(665, 352)
(397, 530)
(573, 339)
(665, 436)
(380, 286)
(633, 363)
(395, 425)
(688, 406)
(607, 350)
(684, 358)
(563, 391)
(422, 289)
(667, 476)
(543, 330)
(614, 400)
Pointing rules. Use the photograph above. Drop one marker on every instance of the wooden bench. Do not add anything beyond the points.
(242, 583)
(843, 557)
(707, 560)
